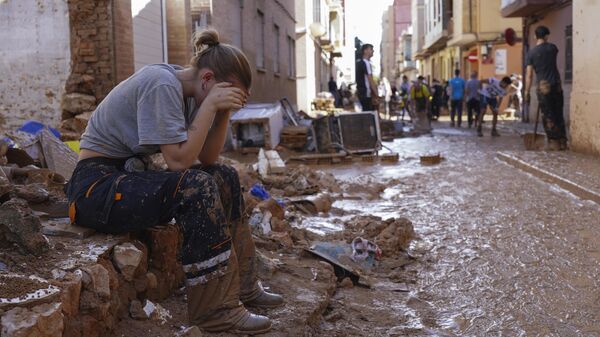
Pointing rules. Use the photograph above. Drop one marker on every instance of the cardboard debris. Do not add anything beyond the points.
(58, 156)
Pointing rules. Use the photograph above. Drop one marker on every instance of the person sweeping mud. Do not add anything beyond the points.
(183, 113)
(542, 60)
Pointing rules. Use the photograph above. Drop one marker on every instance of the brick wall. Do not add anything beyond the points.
(123, 24)
(179, 31)
(91, 48)
(267, 85)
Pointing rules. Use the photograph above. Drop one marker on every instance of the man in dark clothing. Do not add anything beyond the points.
(365, 85)
(542, 60)
(333, 89)
(437, 100)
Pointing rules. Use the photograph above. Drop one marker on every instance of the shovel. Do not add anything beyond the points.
(533, 141)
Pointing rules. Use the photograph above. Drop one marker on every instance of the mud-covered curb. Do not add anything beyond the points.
(576, 189)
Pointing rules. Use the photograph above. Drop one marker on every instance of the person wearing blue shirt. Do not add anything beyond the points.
(457, 87)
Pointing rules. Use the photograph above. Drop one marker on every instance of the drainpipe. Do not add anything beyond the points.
(165, 44)
(470, 16)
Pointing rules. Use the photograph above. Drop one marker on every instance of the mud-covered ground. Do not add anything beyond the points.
(497, 253)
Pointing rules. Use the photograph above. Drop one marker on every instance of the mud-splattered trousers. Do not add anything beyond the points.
(206, 203)
(551, 100)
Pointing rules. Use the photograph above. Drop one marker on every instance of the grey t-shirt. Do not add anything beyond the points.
(142, 112)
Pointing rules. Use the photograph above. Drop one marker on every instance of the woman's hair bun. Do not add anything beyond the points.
(205, 39)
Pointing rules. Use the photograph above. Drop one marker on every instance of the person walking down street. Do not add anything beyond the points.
(472, 97)
(419, 95)
(182, 113)
(457, 93)
(405, 94)
(437, 99)
(542, 60)
(492, 93)
(366, 87)
(446, 96)
(516, 98)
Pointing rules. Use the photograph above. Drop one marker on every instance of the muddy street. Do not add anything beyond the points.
(499, 251)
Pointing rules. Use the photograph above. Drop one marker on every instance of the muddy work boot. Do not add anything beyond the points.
(263, 299)
(215, 306)
(252, 293)
(479, 131)
(563, 145)
(553, 145)
(495, 133)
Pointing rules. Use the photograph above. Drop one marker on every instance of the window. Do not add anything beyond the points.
(569, 53)
(291, 47)
(260, 33)
(317, 11)
(201, 20)
(276, 64)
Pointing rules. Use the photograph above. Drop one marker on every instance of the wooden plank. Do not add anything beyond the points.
(318, 156)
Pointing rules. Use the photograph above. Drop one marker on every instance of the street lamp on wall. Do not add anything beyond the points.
(317, 30)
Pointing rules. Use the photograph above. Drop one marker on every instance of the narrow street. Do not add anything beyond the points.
(499, 251)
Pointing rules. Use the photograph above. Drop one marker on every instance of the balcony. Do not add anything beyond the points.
(522, 8)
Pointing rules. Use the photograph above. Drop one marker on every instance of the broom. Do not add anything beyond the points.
(533, 141)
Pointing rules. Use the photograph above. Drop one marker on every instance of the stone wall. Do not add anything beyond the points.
(35, 60)
(91, 48)
(94, 295)
(101, 57)
(53, 49)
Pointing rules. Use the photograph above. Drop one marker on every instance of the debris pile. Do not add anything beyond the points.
(94, 286)
(391, 235)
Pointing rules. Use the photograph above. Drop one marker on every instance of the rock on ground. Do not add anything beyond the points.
(127, 257)
(44, 320)
(19, 225)
(34, 193)
(76, 103)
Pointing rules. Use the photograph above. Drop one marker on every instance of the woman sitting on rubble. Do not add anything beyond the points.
(183, 113)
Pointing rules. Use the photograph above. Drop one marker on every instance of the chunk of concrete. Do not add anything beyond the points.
(95, 278)
(136, 311)
(34, 193)
(77, 103)
(19, 225)
(44, 320)
(127, 258)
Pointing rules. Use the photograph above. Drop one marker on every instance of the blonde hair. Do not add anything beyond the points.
(223, 59)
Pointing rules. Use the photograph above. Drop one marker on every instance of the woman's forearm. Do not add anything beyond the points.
(183, 155)
(215, 139)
